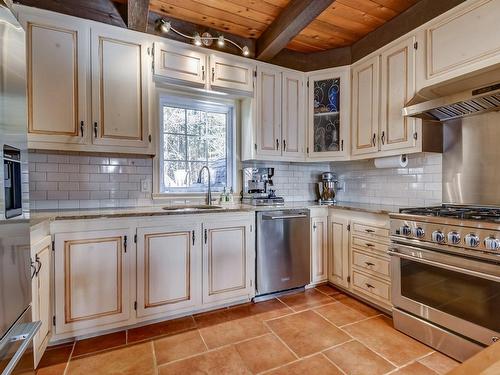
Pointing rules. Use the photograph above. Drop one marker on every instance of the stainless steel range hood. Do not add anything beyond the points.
(468, 95)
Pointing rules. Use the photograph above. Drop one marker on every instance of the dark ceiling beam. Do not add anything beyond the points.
(415, 16)
(137, 14)
(291, 21)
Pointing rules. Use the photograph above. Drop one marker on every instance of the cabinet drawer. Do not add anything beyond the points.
(371, 285)
(371, 264)
(370, 230)
(369, 245)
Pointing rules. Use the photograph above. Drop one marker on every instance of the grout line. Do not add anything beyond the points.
(155, 364)
(333, 363)
(280, 339)
(69, 358)
(202, 338)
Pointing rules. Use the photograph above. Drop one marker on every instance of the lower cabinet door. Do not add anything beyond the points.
(338, 251)
(319, 245)
(168, 269)
(41, 307)
(228, 260)
(92, 279)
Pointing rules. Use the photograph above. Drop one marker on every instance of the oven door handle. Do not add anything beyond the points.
(395, 253)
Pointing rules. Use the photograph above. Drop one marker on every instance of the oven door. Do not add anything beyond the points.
(456, 293)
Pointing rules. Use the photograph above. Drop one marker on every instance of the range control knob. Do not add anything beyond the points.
(405, 230)
(454, 238)
(472, 240)
(419, 232)
(491, 243)
(438, 236)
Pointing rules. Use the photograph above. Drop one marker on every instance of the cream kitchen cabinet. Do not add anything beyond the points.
(329, 114)
(120, 82)
(231, 74)
(365, 106)
(276, 123)
(87, 85)
(463, 40)
(92, 279)
(338, 250)
(319, 249)
(41, 253)
(228, 259)
(168, 268)
(58, 78)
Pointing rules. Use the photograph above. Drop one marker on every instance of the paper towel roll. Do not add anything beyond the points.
(400, 161)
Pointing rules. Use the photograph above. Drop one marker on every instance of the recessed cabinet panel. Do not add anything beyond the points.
(231, 74)
(179, 64)
(167, 260)
(293, 119)
(338, 251)
(398, 87)
(269, 120)
(91, 278)
(319, 246)
(57, 55)
(365, 111)
(119, 90)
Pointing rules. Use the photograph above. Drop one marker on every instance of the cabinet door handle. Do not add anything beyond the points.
(213, 74)
(95, 129)
(206, 236)
(382, 137)
(369, 264)
(37, 260)
(314, 227)
(369, 286)
(374, 139)
(81, 127)
(342, 145)
(33, 268)
(125, 243)
(284, 145)
(369, 244)
(203, 72)
(277, 144)
(369, 230)
(193, 236)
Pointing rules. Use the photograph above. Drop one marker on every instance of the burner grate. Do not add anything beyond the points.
(457, 212)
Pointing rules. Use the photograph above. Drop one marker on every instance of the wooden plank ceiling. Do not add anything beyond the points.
(343, 23)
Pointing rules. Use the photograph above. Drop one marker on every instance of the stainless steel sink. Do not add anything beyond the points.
(191, 208)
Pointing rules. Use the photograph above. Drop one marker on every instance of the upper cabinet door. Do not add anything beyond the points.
(293, 118)
(365, 107)
(178, 64)
(329, 112)
(231, 74)
(58, 70)
(398, 87)
(269, 112)
(119, 88)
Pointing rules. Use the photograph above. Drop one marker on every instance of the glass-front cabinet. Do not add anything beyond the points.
(329, 114)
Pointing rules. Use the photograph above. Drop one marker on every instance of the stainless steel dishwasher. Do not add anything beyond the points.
(283, 250)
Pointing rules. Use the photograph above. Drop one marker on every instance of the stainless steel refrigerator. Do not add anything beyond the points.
(16, 268)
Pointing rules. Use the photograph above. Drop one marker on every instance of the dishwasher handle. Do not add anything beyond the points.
(278, 217)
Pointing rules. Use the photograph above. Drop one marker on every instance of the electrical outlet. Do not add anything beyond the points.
(145, 186)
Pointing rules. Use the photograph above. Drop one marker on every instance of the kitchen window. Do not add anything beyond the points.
(194, 133)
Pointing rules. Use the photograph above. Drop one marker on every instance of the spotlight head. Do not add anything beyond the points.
(245, 51)
(197, 39)
(220, 41)
(164, 26)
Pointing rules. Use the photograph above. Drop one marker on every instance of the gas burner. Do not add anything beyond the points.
(487, 214)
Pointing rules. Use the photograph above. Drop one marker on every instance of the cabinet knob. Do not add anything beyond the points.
(374, 139)
(382, 137)
(284, 145)
(277, 144)
(95, 129)
(202, 72)
(81, 127)
(213, 74)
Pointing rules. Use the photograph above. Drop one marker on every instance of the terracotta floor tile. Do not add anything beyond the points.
(232, 331)
(264, 353)
(414, 369)
(315, 365)
(225, 361)
(354, 304)
(307, 332)
(178, 346)
(356, 359)
(130, 360)
(54, 360)
(161, 329)
(340, 314)
(100, 343)
(305, 300)
(439, 363)
(328, 289)
(379, 335)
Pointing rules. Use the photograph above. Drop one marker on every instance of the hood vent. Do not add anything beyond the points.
(465, 103)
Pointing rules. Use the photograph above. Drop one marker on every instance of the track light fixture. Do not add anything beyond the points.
(205, 39)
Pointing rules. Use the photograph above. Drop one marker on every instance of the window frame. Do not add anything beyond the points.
(194, 103)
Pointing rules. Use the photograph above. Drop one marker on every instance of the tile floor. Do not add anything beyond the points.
(320, 331)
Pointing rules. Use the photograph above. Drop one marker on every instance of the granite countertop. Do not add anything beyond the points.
(38, 217)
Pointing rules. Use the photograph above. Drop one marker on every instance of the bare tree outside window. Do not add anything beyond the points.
(194, 134)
